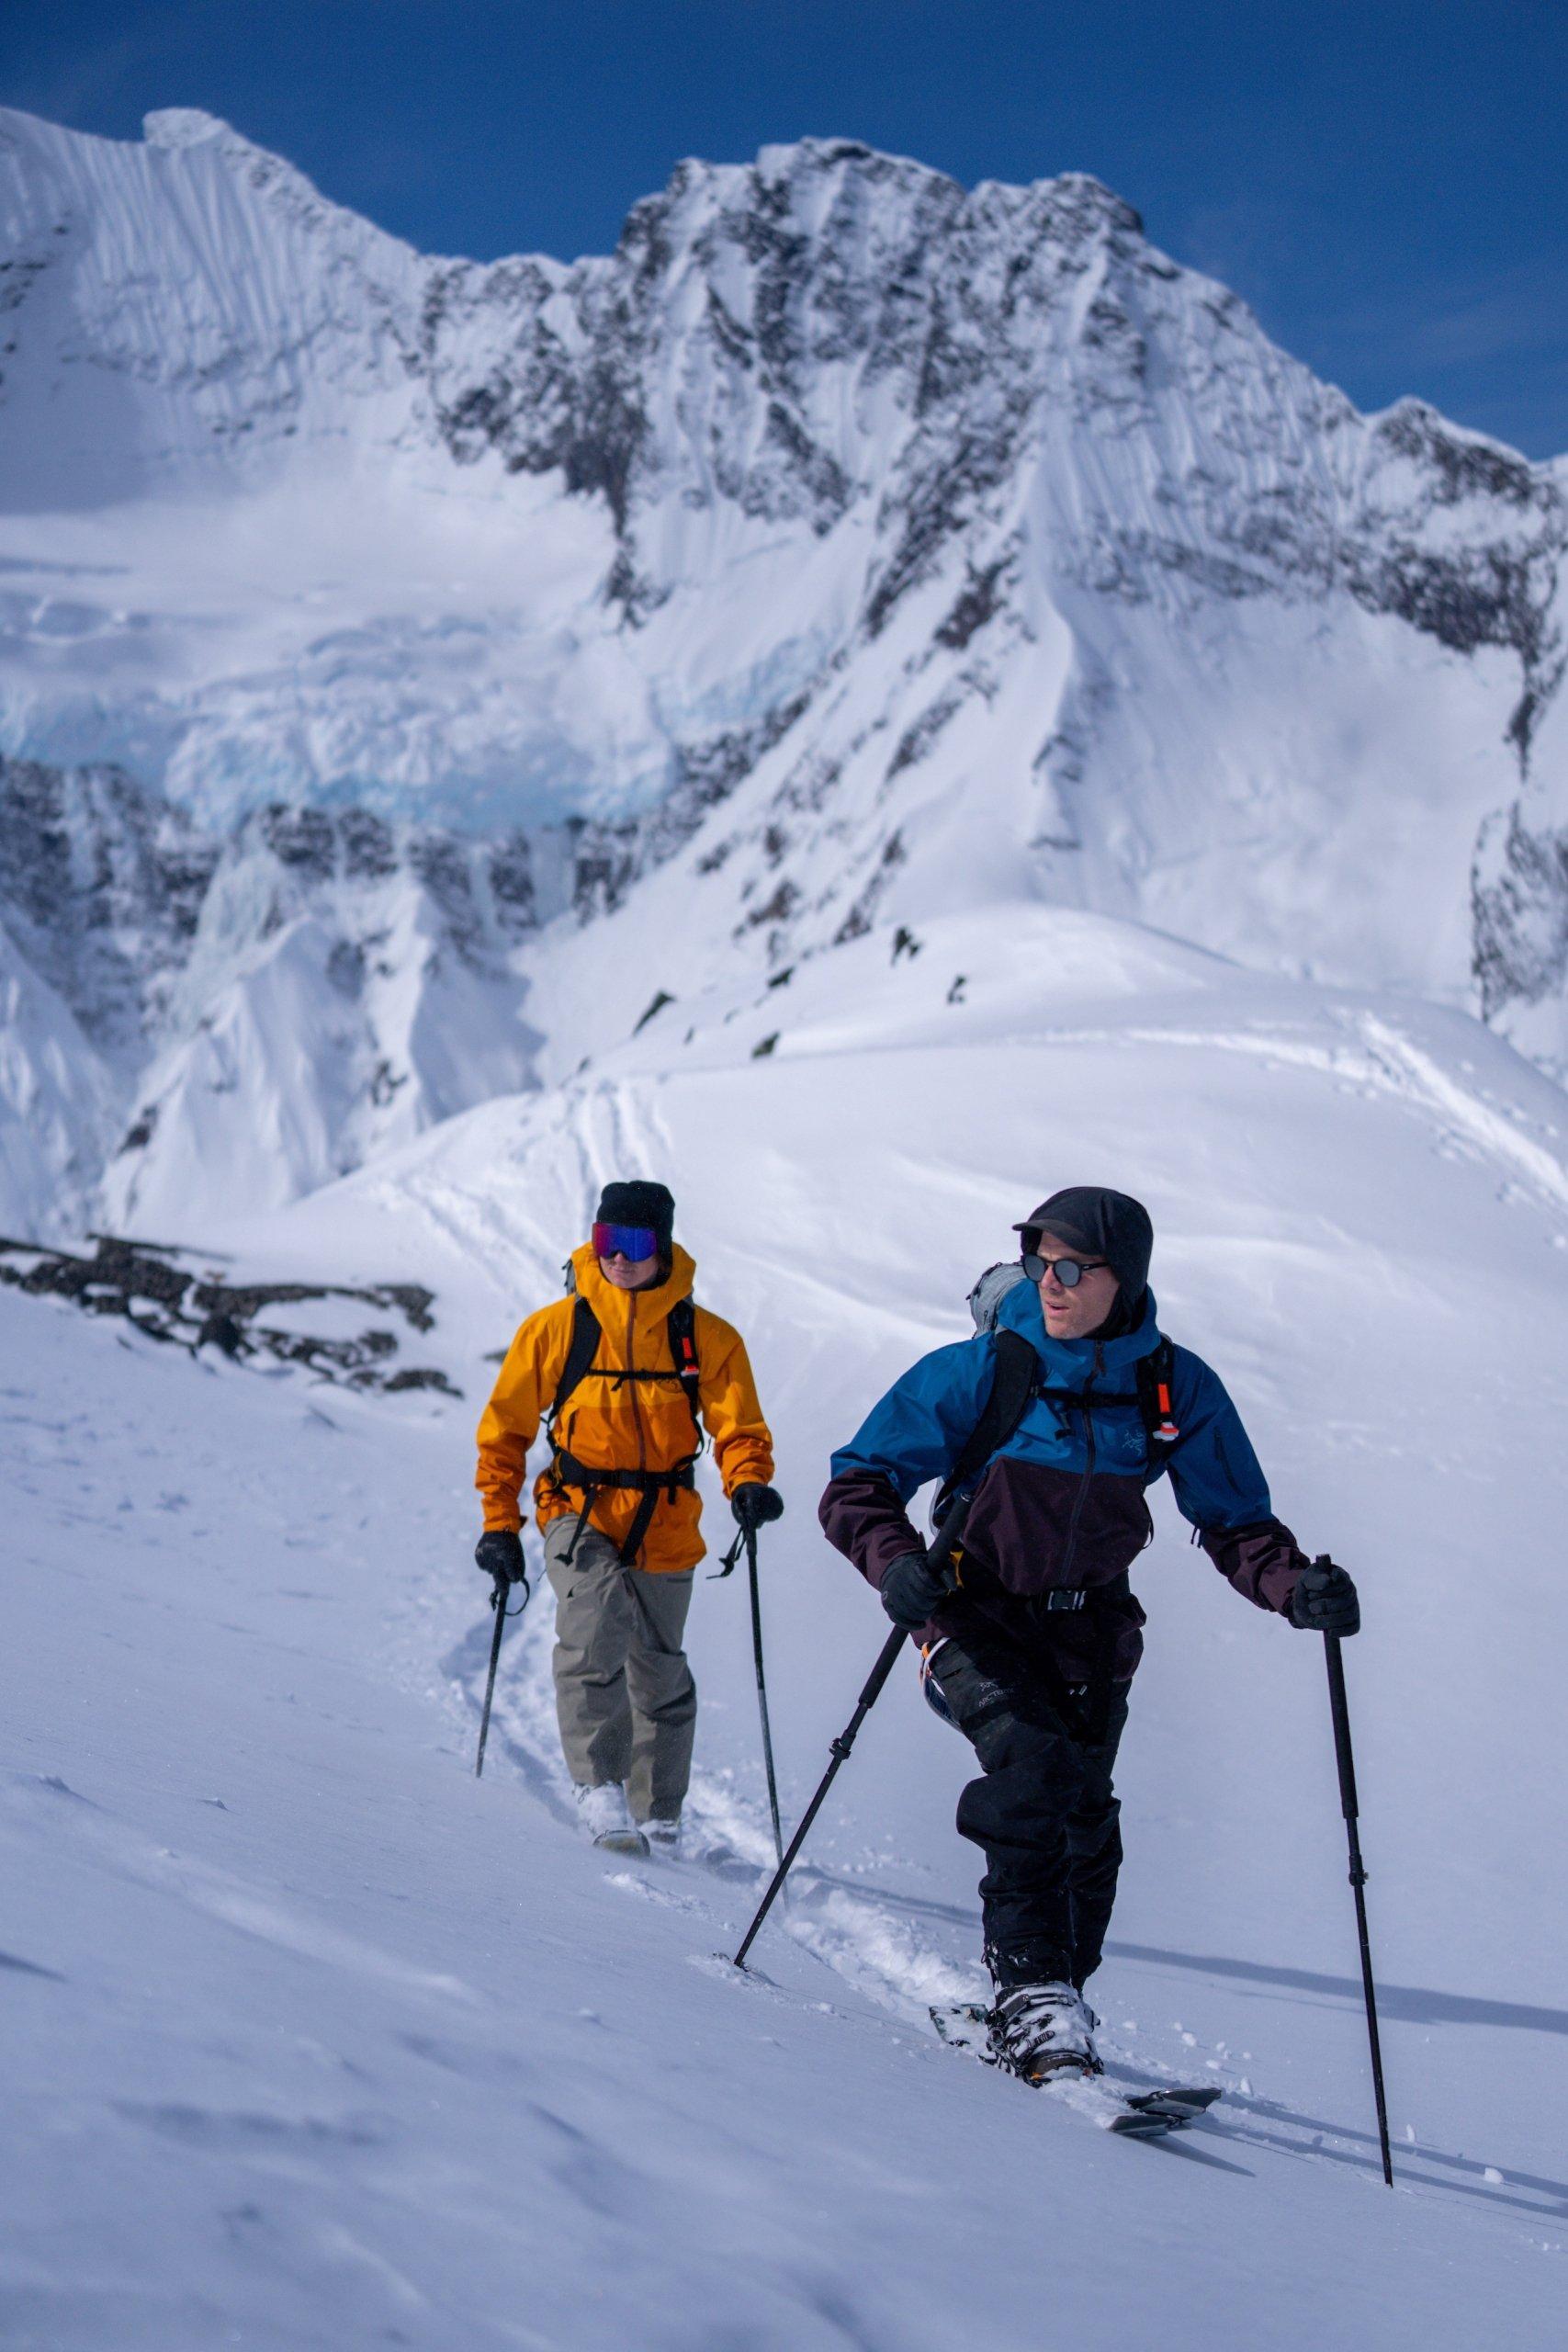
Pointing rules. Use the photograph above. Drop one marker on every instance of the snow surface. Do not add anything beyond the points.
(314, 2041)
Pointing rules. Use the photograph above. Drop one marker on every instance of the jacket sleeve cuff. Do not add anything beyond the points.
(863, 1517)
(1263, 1561)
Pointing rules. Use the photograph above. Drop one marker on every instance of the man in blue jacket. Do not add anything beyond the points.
(1030, 1632)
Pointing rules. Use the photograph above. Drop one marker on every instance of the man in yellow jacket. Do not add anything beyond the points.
(624, 1374)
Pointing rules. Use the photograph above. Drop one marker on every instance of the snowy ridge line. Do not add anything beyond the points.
(1391, 1062)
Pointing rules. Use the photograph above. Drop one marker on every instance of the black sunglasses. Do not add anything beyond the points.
(1069, 1272)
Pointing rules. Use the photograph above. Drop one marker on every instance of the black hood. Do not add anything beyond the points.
(1101, 1224)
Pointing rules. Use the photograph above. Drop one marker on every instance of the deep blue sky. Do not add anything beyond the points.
(1384, 181)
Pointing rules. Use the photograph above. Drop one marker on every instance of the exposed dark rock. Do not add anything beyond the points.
(917, 740)
(1464, 467)
(1519, 904)
(147, 1283)
(662, 997)
(980, 599)
(302, 838)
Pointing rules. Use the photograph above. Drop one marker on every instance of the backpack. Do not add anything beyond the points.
(681, 1323)
(1018, 1382)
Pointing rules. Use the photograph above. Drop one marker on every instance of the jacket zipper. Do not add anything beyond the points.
(1082, 1495)
(637, 1409)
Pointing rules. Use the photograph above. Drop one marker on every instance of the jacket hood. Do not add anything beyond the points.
(607, 1301)
(1070, 1362)
(1109, 1224)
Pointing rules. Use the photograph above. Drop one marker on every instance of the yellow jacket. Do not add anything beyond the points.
(637, 1425)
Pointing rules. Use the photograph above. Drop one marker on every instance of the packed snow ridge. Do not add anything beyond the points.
(845, 549)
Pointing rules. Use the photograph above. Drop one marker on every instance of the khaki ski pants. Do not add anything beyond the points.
(625, 1698)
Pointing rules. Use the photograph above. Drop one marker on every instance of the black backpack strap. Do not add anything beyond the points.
(1013, 1383)
(681, 1325)
(582, 1349)
(1155, 1375)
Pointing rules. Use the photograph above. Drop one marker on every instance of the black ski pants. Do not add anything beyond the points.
(1043, 1811)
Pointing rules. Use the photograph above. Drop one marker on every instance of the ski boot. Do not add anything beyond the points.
(1039, 2030)
(602, 1809)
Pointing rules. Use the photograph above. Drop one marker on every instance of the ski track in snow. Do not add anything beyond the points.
(878, 1950)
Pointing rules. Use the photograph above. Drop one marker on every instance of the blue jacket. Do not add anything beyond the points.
(1061, 1503)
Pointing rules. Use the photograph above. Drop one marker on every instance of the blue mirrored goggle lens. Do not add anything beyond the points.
(633, 1241)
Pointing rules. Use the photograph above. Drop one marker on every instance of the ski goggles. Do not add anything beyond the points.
(634, 1241)
(1069, 1272)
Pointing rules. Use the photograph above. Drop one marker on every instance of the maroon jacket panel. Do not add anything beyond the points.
(863, 1518)
(1032, 1528)
(1262, 1561)
(1018, 1537)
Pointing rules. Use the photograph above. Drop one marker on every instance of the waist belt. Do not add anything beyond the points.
(1083, 1596)
(568, 1471)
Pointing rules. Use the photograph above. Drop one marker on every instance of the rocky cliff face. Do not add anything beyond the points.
(845, 546)
(199, 1018)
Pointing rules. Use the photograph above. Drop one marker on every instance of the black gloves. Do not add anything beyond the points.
(912, 1590)
(1325, 1601)
(754, 1505)
(499, 1553)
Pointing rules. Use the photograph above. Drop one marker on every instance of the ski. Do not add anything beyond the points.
(1135, 2114)
(621, 1841)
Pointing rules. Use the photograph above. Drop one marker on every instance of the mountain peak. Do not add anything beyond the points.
(173, 126)
(1089, 197)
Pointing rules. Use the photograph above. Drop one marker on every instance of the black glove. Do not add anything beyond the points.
(499, 1553)
(912, 1590)
(1325, 1601)
(754, 1505)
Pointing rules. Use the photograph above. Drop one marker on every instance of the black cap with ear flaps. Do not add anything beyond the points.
(639, 1202)
(1101, 1224)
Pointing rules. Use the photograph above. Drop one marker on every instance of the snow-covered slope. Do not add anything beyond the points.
(319, 2042)
(868, 544)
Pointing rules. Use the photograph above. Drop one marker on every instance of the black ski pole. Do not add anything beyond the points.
(841, 1747)
(939, 1552)
(497, 1602)
(762, 1693)
(1346, 1764)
